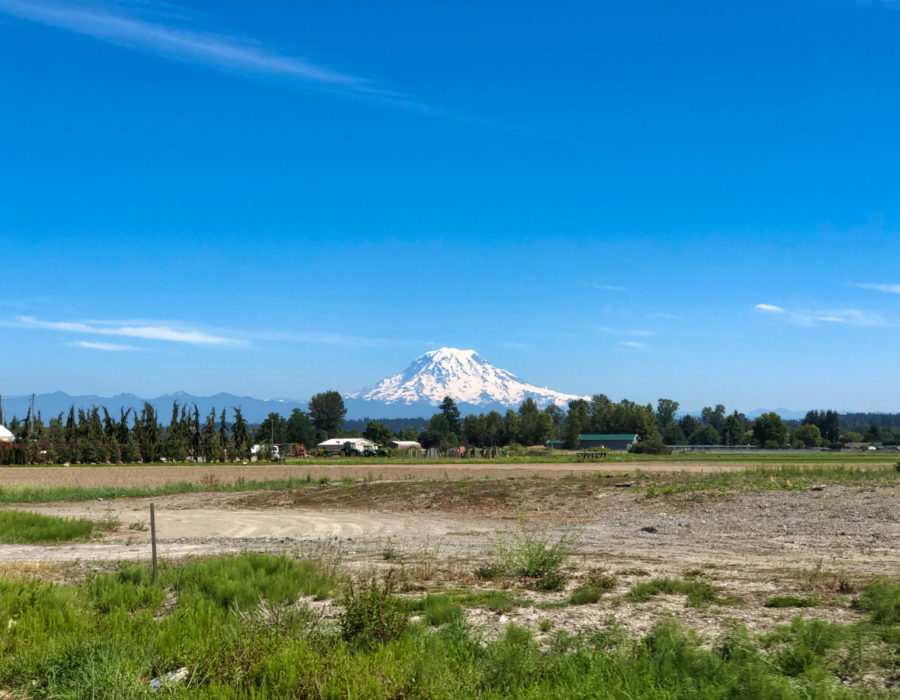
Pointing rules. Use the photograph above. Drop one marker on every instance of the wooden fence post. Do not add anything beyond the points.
(153, 539)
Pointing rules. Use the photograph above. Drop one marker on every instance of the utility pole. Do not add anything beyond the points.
(1, 410)
(31, 419)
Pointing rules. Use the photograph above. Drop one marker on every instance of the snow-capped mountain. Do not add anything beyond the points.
(463, 375)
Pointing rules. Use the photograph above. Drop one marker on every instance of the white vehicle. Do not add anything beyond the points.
(258, 450)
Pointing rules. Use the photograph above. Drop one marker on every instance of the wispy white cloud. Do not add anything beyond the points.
(856, 317)
(769, 308)
(635, 333)
(146, 332)
(889, 288)
(330, 338)
(122, 24)
(631, 344)
(812, 317)
(604, 287)
(108, 347)
(208, 48)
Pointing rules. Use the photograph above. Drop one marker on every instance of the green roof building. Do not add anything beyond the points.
(611, 441)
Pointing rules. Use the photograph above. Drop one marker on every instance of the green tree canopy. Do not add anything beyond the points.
(299, 428)
(273, 429)
(327, 410)
(770, 431)
(809, 435)
(378, 433)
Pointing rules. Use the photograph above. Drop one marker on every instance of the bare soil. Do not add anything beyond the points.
(153, 475)
(823, 544)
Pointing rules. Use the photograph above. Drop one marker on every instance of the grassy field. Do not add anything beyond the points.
(17, 527)
(234, 626)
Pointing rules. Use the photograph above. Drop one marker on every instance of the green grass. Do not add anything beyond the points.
(771, 478)
(18, 527)
(437, 609)
(46, 494)
(699, 593)
(881, 599)
(790, 602)
(232, 623)
(440, 608)
(591, 590)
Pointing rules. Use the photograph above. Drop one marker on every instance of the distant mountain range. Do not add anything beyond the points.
(50, 405)
(474, 383)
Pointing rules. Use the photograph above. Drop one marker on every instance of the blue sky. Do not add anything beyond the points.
(691, 200)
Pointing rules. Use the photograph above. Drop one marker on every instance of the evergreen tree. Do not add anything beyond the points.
(327, 410)
(113, 452)
(240, 436)
(451, 412)
(132, 449)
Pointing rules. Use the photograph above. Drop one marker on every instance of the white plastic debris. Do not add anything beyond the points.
(176, 676)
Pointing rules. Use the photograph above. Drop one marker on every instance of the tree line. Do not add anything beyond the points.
(94, 436)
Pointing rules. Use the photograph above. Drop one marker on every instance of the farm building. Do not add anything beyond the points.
(614, 441)
(403, 444)
(6, 435)
(335, 445)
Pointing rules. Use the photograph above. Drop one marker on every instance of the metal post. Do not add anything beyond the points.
(153, 539)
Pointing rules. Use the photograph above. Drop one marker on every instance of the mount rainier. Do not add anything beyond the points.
(465, 376)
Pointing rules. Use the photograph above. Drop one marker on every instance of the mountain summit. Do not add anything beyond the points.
(463, 375)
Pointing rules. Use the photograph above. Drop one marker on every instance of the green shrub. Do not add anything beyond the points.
(372, 613)
(534, 558)
(652, 446)
(881, 599)
(489, 572)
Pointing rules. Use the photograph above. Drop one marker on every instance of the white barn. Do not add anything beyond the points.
(335, 445)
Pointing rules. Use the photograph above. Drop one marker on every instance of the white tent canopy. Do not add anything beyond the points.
(5, 435)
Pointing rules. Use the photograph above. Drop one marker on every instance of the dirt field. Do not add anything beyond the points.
(140, 475)
(823, 543)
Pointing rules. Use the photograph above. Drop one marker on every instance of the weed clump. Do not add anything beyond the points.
(532, 557)
(881, 599)
(699, 593)
(592, 589)
(372, 613)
